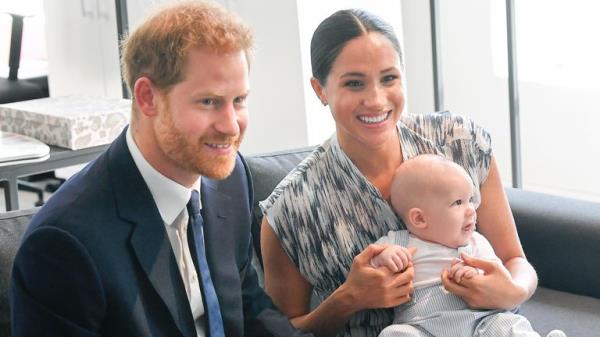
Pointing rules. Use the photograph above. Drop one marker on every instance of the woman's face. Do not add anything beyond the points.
(364, 91)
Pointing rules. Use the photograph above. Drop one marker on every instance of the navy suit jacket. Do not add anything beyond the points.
(96, 259)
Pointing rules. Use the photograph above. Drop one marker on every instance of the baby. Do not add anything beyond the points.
(435, 199)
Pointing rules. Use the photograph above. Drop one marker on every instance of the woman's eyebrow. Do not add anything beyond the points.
(353, 74)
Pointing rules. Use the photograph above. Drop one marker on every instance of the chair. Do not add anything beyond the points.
(13, 89)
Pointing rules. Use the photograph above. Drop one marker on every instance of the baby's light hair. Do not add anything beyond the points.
(418, 178)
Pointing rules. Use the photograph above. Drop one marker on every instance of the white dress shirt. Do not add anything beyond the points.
(171, 199)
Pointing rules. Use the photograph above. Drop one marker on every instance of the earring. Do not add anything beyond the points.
(324, 103)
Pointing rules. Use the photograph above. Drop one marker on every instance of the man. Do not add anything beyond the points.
(122, 249)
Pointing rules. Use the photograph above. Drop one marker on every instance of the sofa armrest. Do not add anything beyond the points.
(561, 239)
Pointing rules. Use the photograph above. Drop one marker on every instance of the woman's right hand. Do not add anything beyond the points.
(371, 288)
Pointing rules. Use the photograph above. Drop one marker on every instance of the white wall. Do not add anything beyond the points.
(83, 55)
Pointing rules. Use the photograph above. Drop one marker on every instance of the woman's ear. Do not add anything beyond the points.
(416, 217)
(318, 88)
(146, 96)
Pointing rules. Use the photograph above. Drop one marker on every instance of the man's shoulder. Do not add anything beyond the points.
(83, 199)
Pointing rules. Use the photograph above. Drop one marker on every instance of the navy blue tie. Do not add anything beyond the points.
(215, 321)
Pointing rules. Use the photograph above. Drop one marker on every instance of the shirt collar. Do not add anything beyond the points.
(169, 196)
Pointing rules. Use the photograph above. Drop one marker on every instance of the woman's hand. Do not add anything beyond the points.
(370, 288)
(494, 289)
(458, 271)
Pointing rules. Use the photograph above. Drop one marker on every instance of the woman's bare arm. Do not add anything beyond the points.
(366, 287)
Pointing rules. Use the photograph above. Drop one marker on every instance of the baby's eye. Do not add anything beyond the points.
(458, 202)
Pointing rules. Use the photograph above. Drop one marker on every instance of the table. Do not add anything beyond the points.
(59, 157)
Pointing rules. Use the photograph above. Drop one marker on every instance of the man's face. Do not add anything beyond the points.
(202, 119)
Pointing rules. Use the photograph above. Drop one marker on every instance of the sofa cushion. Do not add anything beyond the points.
(550, 309)
(267, 170)
(12, 228)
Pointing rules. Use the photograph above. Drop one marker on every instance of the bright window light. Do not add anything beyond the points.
(557, 42)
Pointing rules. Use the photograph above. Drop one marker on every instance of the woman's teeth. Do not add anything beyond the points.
(374, 119)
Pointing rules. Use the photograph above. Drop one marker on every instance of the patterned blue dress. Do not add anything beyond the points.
(325, 212)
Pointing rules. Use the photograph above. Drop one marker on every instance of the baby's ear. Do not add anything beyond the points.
(416, 218)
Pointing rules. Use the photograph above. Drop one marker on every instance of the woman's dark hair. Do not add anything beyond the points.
(334, 32)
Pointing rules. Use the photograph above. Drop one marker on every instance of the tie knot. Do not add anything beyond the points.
(194, 203)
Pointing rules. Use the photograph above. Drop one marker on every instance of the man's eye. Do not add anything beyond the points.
(240, 99)
(208, 101)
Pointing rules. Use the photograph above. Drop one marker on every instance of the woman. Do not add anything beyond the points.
(321, 220)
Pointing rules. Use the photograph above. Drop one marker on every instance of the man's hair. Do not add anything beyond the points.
(159, 47)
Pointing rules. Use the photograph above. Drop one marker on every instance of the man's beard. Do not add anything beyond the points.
(192, 155)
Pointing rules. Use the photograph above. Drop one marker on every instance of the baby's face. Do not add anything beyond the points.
(450, 213)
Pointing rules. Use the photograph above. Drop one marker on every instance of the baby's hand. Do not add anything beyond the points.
(459, 270)
(395, 258)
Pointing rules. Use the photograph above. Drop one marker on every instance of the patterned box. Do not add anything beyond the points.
(73, 122)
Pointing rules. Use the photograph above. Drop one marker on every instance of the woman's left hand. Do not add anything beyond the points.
(494, 289)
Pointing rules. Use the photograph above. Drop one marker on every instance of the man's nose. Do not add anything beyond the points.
(228, 123)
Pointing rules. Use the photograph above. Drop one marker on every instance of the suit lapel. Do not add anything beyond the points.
(215, 213)
(214, 202)
(221, 241)
(149, 239)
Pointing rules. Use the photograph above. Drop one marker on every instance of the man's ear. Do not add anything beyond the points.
(318, 88)
(146, 96)
(416, 217)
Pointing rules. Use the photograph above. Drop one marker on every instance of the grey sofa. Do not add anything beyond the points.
(561, 238)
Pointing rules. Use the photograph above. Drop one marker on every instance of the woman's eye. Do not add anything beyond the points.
(353, 84)
(389, 78)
